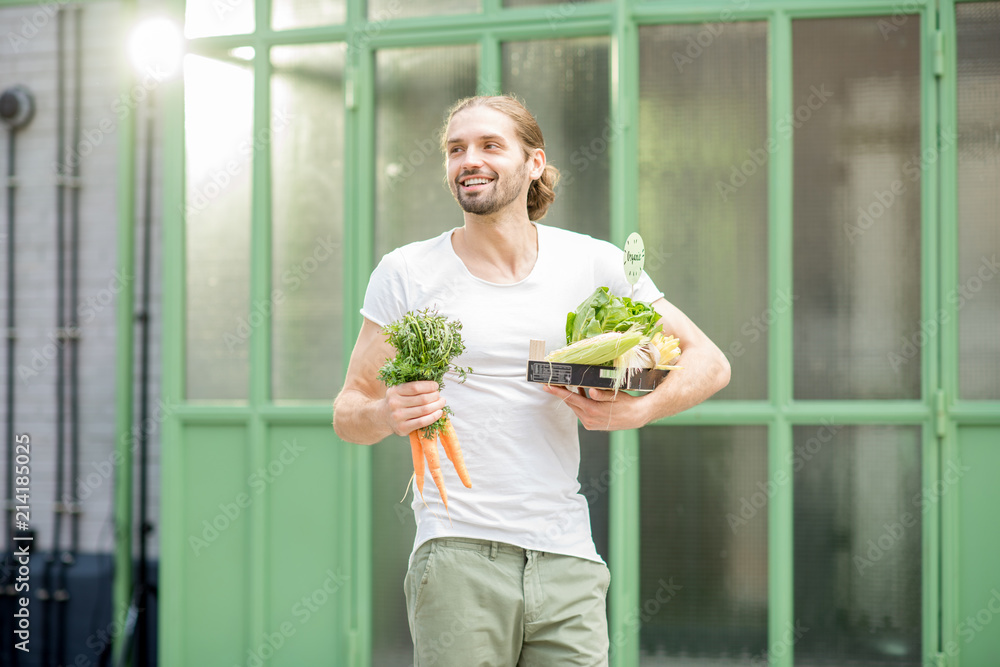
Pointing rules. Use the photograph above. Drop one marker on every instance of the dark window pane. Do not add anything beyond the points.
(414, 88)
(857, 526)
(393, 529)
(703, 579)
(702, 129)
(596, 471)
(856, 120)
(565, 85)
(978, 293)
(307, 175)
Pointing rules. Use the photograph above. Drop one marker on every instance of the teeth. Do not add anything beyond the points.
(477, 181)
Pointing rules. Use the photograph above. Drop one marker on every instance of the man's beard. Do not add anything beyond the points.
(503, 192)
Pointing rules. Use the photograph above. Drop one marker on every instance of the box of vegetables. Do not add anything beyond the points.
(612, 342)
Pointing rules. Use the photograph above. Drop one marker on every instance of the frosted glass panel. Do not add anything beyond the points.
(978, 291)
(857, 182)
(414, 88)
(703, 154)
(218, 111)
(384, 10)
(305, 13)
(565, 85)
(206, 19)
(703, 567)
(858, 516)
(565, 9)
(307, 133)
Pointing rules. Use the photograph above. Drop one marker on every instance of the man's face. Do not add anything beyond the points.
(487, 170)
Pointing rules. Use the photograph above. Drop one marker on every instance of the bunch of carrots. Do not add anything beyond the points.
(426, 343)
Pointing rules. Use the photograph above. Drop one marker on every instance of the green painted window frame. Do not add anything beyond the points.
(938, 411)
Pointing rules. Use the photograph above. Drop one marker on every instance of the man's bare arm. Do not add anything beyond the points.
(706, 371)
(365, 412)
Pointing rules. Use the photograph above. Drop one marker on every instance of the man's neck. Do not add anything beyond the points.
(498, 250)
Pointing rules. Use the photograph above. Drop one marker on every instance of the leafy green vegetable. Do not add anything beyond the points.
(603, 312)
(425, 342)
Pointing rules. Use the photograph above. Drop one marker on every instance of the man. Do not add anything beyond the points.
(513, 578)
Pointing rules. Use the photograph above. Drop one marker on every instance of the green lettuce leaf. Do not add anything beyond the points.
(602, 312)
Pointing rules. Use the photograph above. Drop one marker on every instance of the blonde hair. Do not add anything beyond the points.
(541, 192)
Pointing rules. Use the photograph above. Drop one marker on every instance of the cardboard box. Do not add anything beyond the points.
(584, 375)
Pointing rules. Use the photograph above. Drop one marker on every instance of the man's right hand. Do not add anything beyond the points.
(413, 405)
(365, 412)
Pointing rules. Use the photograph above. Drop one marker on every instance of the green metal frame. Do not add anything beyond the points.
(124, 370)
(938, 411)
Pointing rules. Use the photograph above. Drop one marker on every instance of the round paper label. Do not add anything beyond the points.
(635, 257)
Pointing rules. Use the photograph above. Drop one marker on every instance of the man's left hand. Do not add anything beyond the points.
(602, 409)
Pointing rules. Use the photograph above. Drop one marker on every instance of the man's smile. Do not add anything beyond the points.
(474, 182)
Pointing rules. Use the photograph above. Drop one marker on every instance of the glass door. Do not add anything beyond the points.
(782, 185)
(816, 184)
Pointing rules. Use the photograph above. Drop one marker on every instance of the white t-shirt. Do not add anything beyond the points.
(520, 443)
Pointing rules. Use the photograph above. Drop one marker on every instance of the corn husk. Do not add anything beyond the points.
(628, 352)
(598, 350)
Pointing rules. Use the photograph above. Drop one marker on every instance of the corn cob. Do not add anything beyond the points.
(597, 350)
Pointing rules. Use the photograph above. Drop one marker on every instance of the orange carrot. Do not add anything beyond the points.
(434, 464)
(417, 450)
(449, 440)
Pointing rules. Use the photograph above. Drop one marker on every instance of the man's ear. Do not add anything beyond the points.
(537, 164)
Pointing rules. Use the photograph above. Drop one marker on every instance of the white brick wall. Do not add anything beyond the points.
(28, 57)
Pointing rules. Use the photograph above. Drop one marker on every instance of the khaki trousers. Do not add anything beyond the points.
(476, 603)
